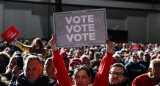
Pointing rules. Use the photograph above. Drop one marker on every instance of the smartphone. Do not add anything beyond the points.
(20, 62)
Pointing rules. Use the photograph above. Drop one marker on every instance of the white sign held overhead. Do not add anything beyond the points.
(80, 28)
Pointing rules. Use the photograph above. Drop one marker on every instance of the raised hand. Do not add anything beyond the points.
(109, 46)
(52, 43)
(16, 71)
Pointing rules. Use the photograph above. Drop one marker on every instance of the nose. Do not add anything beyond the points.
(80, 80)
(30, 71)
(115, 75)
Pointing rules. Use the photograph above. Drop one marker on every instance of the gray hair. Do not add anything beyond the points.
(33, 57)
(154, 62)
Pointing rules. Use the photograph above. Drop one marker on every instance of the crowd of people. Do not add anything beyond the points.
(39, 63)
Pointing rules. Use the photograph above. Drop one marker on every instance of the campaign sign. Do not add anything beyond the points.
(80, 28)
(135, 47)
(10, 34)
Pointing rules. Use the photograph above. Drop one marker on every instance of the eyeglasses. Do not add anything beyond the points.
(116, 73)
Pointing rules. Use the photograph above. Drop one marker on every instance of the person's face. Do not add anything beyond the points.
(78, 55)
(81, 78)
(134, 58)
(48, 67)
(141, 55)
(155, 72)
(87, 62)
(116, 75)
(97, 59)
(90, 52)
(37, 45)
(146, 58)
(32, 70)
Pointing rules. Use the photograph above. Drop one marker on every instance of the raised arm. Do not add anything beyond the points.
(101, 78)
(60, 70)
(22, 46)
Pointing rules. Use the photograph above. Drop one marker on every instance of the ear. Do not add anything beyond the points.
(23, 67)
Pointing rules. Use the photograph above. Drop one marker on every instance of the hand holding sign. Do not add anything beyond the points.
(10, 34)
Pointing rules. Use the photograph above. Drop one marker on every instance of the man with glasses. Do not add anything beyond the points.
(117, 75)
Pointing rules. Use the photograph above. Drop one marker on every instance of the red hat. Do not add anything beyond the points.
(75, 60)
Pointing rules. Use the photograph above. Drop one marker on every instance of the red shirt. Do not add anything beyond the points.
(144, 80)
(63, 79)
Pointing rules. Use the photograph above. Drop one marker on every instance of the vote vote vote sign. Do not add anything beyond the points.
(80, 28)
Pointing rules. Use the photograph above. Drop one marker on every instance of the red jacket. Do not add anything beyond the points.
(63, 79)
(144, 80)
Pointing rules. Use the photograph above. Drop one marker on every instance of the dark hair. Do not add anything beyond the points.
(134, 54)
(4, 59)
(79, 68)
(39, 41)
(97, 55)
(120, 65)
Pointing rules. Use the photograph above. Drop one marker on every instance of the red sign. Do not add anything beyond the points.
(135, 47)
(10, 34)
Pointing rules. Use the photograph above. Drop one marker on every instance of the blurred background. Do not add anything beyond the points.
(127, 20)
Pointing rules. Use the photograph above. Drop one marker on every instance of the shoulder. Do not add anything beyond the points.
(21, 80)
(52, 82)
(142, 77)
(128, 64)
(21, 77)
(46, 79)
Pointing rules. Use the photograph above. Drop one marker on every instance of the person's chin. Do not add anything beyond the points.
(31, 81)
(115, 81)
(29, 78)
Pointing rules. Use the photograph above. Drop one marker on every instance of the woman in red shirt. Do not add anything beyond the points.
(81, 76)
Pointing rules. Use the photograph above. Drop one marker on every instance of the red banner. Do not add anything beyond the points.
(10, 34)
(135, 47)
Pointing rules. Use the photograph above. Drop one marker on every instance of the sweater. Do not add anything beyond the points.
(144, 80)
